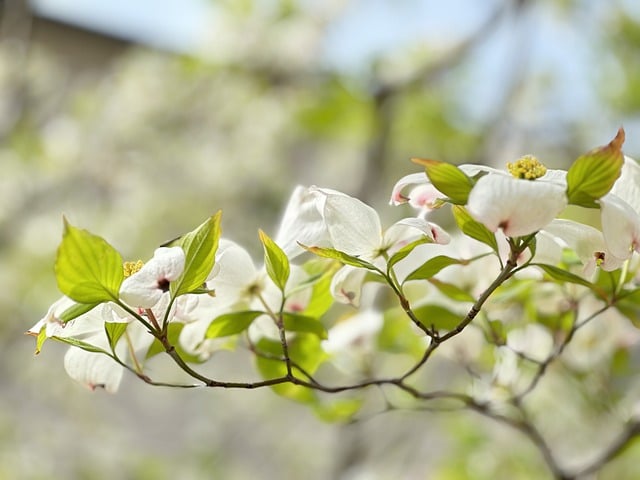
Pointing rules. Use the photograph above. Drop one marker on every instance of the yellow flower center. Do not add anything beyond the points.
(131, 267)
(527, 168)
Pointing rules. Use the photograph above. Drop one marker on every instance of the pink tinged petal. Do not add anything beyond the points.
(620, 226)
(93, 369)
(353, 226)
(302, 222)
(145, 288)
(410, 229)
(346, 285)
(424, 197)
(518, 207)
(397, 198)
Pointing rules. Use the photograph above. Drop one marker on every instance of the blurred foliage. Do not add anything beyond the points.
(142, 146)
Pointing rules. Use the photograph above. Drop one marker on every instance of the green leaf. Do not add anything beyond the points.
(474, 229)
(338, 410)
(398, 335)
(593, 174)
(432, 266)
(275, 261)
(321, 298)
(114, 331)
(199, 247)
(231, 323)
(447, 178)
(452, 291)
(564, 276)
(74, 342)
(40, 339)
(74, 311)
(296, 322)
(435, 316)
(341, 257)
(304, 350)
(405, 251)
(88, 269)
(173, 336)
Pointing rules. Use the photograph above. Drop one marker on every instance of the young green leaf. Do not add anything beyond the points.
(593, 174)
(231, 323)
(474, 229)
(564, 276)
(405, 251)
(88, 270)
(74, 342)
(199, 247)
(452, 291)
(341, 257)
(295, 322)
(114, 331)
(435, 316)
(74, 311)
(448, 178)
(275, 261)
(432, 267)
(173, 336)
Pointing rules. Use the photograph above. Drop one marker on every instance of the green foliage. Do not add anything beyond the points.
(397, 334)
(296, 322)
(88, 269)
(593, 174)
(474, 229)
(405, 251)
(338, 410)
(452, 291)
(321, 298)
(341, 257)
(448, 179)
(304, 350)
(200, 248)
(231, 323)
(437, 317)
(432, 266)
(114, 331)
(275, 261)
(173, 336)
(74, 311)
(563, 276)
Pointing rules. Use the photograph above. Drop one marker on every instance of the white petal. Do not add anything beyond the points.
(302, 223)
(144, 288)
(519, 207)
(236, 272)
(93, 369)
(346, 285)
(620, 226)
(586, 241)
(412, 179)
(627, 187)
(353, 226)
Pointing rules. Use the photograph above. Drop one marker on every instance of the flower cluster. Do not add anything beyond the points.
(337, 288)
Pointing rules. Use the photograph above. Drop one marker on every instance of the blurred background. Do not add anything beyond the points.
(138, 119)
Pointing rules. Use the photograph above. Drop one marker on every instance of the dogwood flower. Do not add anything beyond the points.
(519, 202)
(620, 212)
(145, 287)
(90, 368)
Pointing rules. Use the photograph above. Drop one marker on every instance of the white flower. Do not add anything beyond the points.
(144, 288)
(519, 203)
(518, 207)
(620, 212)
(350, 340)
(586, 241)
